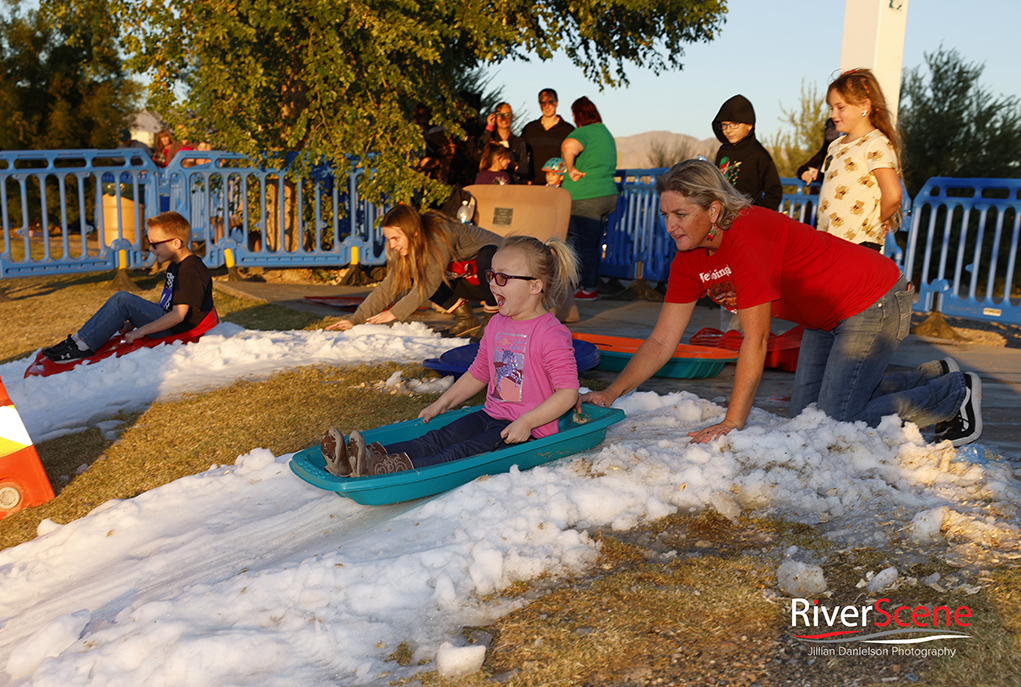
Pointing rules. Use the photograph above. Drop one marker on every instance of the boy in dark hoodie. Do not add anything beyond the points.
(741, 158)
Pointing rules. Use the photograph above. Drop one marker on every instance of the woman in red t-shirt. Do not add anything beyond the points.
(853, 302)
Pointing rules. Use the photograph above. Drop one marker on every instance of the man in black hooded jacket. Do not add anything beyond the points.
(741, 158)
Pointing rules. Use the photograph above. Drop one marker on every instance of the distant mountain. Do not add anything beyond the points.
(661, 149)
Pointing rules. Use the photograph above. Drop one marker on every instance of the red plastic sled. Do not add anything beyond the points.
(781, 351)
(116, 346)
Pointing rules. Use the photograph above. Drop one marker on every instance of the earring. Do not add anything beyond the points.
(863, 113)
(712, 232)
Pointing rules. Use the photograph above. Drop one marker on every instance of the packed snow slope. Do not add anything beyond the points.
(245, 575)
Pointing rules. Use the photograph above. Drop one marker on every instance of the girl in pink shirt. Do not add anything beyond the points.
(525, 362)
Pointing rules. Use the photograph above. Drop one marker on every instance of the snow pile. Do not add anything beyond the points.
(74, 400)
(453, 662)
(50, 640)
(396, 384)
(246, 575)
(845, 478)
(882, 580)
(800, 579)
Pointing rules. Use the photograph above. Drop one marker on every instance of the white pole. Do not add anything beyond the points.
(874, 39)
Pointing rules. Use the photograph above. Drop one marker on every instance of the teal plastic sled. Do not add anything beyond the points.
(577, 433)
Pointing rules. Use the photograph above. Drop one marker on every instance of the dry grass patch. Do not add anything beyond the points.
(285, 413)
(43, 310)
(685, 601)
(993, 656)
(628, 625)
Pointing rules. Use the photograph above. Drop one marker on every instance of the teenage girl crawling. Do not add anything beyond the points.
(525, 362)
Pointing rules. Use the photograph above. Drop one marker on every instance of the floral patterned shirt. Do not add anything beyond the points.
(849, 199)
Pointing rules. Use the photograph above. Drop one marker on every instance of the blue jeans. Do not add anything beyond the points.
(585, 235)
(470, 435)
(842, 371)
(120, 308)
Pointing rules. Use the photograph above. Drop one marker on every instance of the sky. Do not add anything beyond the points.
(246, 575)
(764, 51)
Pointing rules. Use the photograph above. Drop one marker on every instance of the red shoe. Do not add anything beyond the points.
(585, 295)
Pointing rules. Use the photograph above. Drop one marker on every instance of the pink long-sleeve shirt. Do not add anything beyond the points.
(523, 363)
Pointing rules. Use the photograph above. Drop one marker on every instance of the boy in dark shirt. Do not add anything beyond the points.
(741, 158)
(186, 299)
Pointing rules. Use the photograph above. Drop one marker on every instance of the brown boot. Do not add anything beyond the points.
(467, 324)
(334, 450)
(384, 463)
(356, 454)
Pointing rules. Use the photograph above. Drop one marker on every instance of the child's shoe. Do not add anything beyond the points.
(382, 463)
(67, 351)
(356, 453)
(334, 450)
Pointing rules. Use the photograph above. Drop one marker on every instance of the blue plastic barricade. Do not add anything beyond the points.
(962, 251)
(251, 215)
(66, 211)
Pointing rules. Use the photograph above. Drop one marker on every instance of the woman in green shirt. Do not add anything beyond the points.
(590, 155)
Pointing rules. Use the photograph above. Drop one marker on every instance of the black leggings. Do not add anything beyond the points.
(447, 295)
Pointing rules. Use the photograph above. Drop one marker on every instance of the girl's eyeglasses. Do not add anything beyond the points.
(501, 279)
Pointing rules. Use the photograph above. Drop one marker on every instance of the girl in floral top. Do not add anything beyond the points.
(861, 189)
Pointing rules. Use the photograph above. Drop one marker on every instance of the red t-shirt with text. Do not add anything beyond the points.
(811, 277)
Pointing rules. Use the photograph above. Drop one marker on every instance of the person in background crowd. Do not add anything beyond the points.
(809, 171)
(498, 130)
(164, 141)
(493, 165)
(554, 170)
(126, 141)
(741, 158)
(545, 135)
(590, 158)
(179, 144)
(439, 149)
(861, 191)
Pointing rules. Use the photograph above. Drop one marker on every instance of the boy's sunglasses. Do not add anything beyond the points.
(156, 243)
(501, 279)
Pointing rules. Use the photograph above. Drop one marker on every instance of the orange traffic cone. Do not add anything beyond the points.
(23, 481)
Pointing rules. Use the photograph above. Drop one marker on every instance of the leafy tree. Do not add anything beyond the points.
(952, 126)
(56, 94)
(791, 149)
(335, 77)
